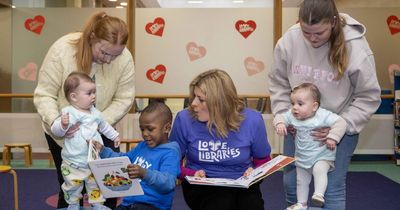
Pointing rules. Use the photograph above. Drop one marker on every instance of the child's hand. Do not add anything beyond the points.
(281, 129)
(330, 144)
(248, 171)
(117, 142)
(200, 173)
(320, 134)
(64, 120)
(99, 147)
(71, 130)
(135, 171)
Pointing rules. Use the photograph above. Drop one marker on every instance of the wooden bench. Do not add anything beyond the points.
(130, 143)
(7, 152)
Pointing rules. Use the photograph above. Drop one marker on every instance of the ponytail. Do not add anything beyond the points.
(338, 56)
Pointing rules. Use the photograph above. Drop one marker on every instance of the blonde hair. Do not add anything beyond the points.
(223, 103)
(99, 27)
(316, 11)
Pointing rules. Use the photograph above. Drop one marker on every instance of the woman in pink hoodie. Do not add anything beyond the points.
(329, 50)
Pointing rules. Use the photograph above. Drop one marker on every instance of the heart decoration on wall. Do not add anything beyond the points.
(394, 24)
(253, 66)
(156, 27)
(157, 74)
(35, 25)
(195, 51)
(28, 72)
(245, 28)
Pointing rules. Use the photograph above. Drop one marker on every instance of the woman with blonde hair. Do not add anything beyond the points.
(99, 51)
(329, 50)
(219, 138)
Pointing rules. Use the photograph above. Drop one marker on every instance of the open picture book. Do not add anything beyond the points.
(256, 175)
(111, 175)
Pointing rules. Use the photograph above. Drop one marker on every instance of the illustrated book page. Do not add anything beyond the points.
(256, 175)
(112, 177)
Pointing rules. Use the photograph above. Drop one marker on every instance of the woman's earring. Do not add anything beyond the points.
(334, 21)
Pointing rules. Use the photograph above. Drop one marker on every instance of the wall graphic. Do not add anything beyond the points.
(175, 45)
(394, 24)
(36, 24)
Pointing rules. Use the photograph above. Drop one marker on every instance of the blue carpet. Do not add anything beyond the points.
(34, 187)
(366, 191)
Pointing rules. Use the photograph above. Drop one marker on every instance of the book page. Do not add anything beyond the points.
(266, 169)
(93, 154)
(214, 181)
(245, 181)
(112, 177)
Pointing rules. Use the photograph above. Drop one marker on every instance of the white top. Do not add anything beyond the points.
(75, 148)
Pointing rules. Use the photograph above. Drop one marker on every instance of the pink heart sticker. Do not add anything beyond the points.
(157, 74)
(36, 24)
(195, 51)
(245, 28)
(156, 27)
(394, 24)
(28, 72)
(253, 66)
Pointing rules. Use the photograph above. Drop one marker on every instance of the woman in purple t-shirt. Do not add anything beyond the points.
(219, 138)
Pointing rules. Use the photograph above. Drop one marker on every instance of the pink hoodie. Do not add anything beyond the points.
(355, 97)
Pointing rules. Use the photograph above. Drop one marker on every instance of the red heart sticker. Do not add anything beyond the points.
(156, 27)
(253, 66)
(36, 24)
(245, 28)
(157, 74)
(394, 24)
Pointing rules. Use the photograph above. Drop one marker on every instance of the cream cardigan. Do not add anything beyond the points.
(115, 88)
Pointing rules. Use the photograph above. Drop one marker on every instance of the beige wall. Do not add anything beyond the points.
(386, 47)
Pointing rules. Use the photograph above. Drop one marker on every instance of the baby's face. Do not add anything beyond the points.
(85, 96)
(303, 104)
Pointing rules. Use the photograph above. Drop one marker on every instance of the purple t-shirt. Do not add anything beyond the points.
(221, 157)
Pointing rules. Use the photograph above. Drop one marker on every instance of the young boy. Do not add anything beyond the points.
(80, 92)
(313, 158)
(155, 161)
